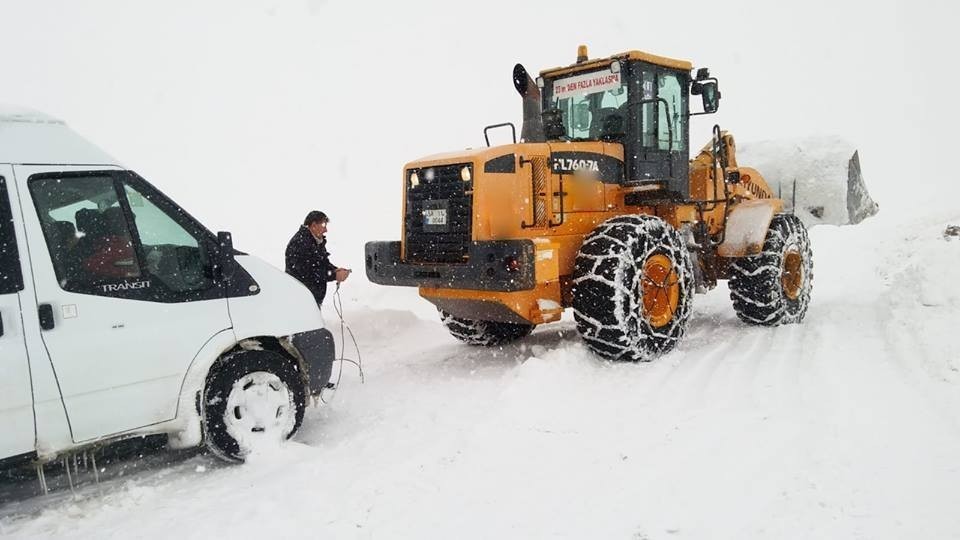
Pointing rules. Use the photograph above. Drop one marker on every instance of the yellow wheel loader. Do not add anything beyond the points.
(598, 208)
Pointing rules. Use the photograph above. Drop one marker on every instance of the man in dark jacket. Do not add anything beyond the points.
(308, 259)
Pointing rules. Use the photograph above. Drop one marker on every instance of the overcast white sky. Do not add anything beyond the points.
(251, 113)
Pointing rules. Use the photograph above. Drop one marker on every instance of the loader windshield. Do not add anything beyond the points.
(593, 105)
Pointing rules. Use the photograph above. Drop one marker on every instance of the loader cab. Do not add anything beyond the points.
(635, 99)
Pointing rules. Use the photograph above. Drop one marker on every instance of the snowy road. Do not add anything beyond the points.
(847, 426)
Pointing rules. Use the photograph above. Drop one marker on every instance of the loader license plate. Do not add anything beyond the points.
(435, 216)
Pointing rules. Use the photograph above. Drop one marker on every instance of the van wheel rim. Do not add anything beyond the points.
(791, 276)
(660, 287)
(260, 409)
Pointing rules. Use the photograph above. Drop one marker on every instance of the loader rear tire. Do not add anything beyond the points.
(485, 333)
(633, 288)
(773, 287)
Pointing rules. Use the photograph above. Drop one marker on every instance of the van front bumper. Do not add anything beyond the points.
(317, 350)
(486, 267)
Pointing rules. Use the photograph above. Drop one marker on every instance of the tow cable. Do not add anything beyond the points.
(344, 330)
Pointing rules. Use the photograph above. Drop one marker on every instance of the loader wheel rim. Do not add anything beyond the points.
(791, 278)
(660, 287)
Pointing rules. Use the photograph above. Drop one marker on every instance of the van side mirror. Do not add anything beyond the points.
(224, 265)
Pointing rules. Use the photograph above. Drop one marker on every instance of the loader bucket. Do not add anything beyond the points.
(859, 204)
(818, 179)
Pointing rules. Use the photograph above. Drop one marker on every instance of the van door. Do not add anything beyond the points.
(16, 396)
(124, 294)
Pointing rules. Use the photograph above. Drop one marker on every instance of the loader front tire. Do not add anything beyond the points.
(773, 287)
(486, 333)
(633, 288)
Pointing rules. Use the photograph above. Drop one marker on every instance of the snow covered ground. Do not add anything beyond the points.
(846, 426)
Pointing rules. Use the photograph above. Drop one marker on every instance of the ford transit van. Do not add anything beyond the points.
(121, 315)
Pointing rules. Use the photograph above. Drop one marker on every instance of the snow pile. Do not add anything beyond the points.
(924, 295)
(814, 176)
(937, 263)
(928, 270)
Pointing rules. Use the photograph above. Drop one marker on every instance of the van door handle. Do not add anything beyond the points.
(46, 316)
(1, 324)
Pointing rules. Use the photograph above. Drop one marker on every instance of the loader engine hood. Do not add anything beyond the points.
(440, 193)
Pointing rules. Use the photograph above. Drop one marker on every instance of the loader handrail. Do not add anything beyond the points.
(495, 126)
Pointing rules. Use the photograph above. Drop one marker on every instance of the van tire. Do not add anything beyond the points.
(485, 333)
(251, 382)
(633, 288)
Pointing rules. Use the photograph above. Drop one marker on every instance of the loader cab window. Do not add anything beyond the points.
(593, 105)
(673, 115)
(655, 150)
(662, 123)
(11, 280)
(648, 91)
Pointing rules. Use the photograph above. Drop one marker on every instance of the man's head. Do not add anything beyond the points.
(316, 221)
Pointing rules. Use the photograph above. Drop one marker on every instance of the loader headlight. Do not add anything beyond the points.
(465, 173)
(414, 180)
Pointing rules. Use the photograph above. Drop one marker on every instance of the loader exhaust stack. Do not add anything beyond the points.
(532, 129)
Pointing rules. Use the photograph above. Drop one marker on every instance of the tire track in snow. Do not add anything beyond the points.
(709, 353)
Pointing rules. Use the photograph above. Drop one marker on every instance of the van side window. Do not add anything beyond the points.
(86, 231)
(11, 280)
(171, 253)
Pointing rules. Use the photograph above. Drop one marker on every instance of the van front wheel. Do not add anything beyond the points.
(254, 399)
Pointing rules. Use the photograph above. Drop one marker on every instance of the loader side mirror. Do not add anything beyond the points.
(711, 96)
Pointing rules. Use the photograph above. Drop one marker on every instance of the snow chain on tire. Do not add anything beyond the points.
(487, 333)
(773, 287)
(611, 276)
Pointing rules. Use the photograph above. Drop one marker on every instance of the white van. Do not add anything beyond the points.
(122, 315)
